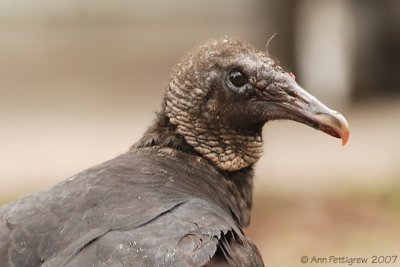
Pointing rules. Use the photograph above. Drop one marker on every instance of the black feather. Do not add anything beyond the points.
(170, 210)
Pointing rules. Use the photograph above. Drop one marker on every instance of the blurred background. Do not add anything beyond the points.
(80, 81)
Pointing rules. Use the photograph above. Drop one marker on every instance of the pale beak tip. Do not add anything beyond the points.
(343, 129)
(345, 138)
(335, 124)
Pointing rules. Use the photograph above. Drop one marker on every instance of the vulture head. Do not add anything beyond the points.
(224, 91)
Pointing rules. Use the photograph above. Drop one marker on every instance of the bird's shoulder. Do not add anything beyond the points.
(189, 234)
(170, 210)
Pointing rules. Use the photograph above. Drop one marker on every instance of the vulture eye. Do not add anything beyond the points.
(237, 78)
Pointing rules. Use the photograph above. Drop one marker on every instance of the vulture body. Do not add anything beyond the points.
(174, 211)
(182, 194)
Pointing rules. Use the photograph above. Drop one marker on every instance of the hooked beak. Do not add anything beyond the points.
(301, 106)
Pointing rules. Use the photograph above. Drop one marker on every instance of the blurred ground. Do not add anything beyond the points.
(353, 223)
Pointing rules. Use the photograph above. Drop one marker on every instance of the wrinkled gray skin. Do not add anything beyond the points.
(182, 194)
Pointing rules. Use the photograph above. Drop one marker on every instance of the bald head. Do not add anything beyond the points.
(224, 91)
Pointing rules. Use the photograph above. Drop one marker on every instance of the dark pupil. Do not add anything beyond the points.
(237, 78)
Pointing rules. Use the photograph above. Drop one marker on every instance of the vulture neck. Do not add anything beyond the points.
(164, 134)
(227, 146)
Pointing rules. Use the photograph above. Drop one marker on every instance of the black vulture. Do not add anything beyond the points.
(182, 195)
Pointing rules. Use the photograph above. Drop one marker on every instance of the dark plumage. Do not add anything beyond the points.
(181, 195)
